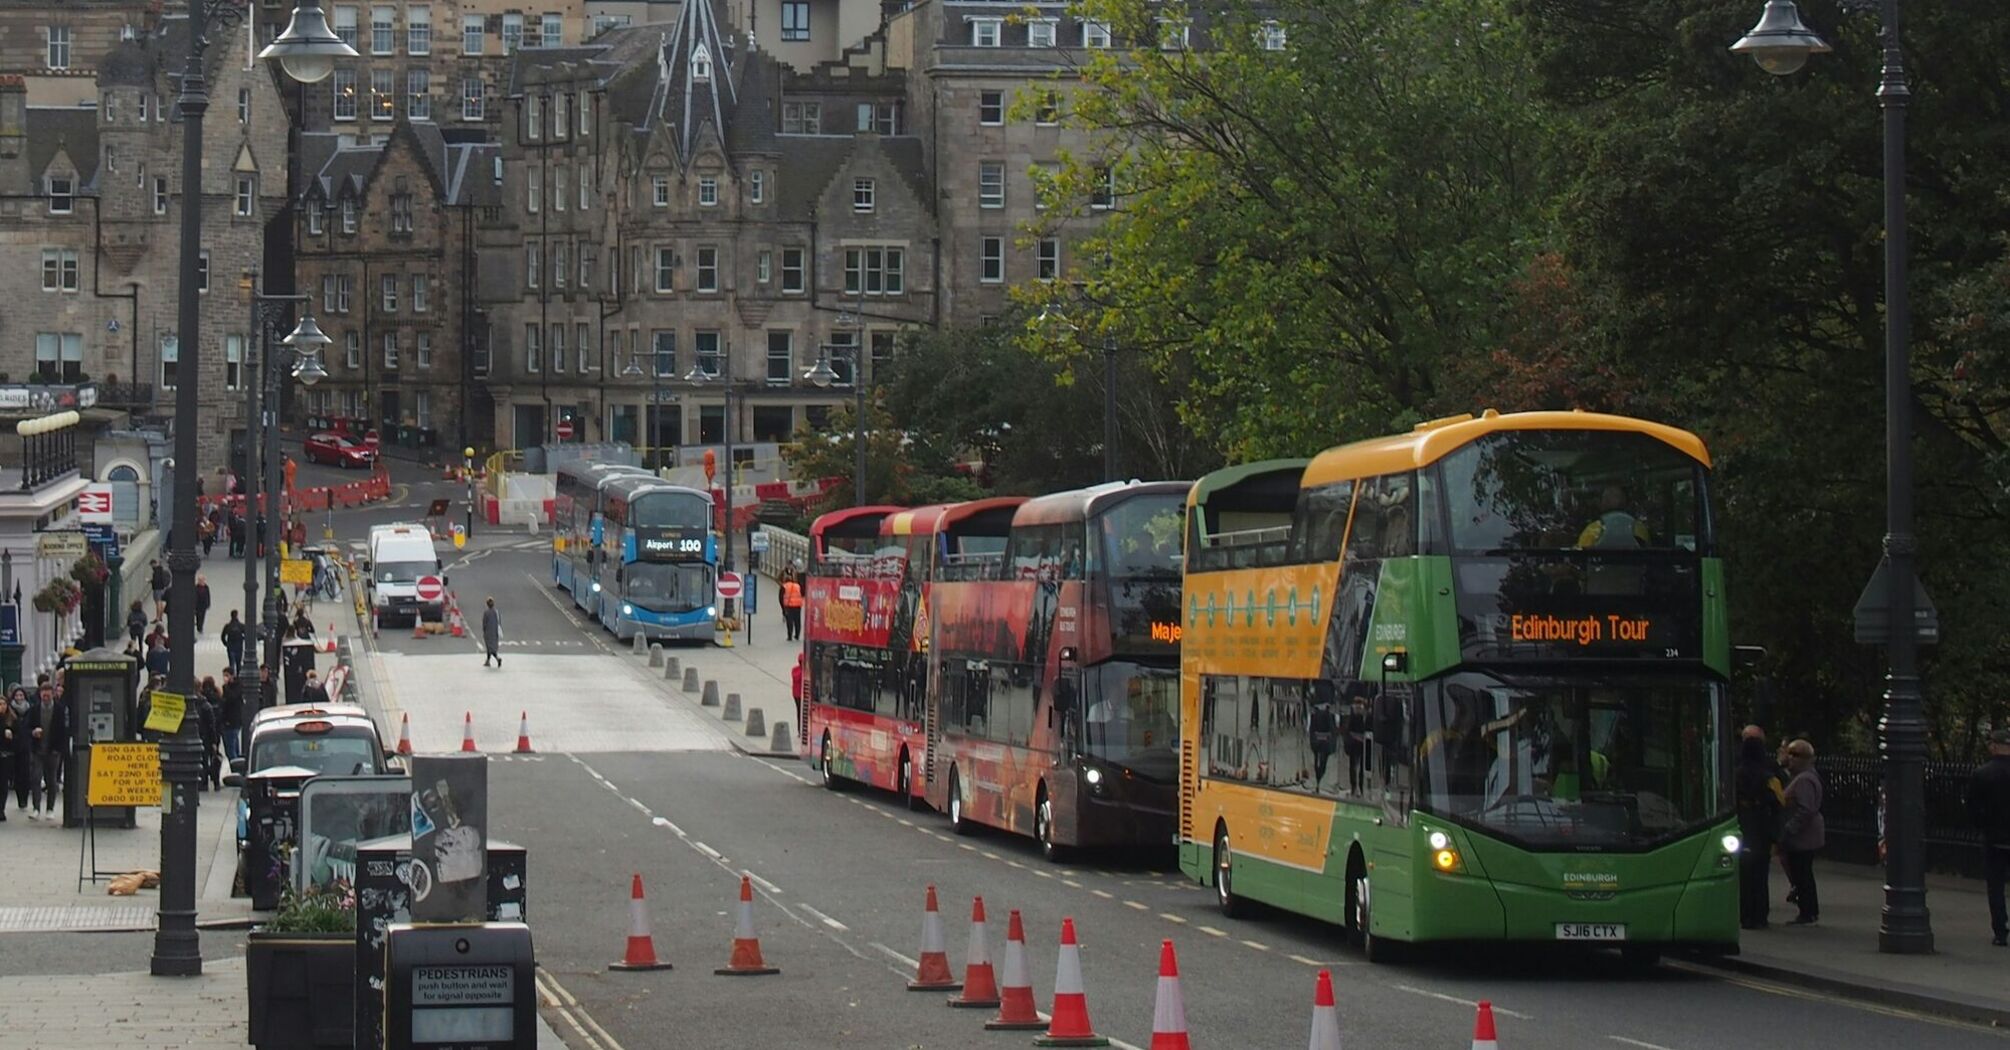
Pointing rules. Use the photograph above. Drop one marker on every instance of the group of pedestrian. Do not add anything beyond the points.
(1779, 802)
(34, 743)
(162, 585)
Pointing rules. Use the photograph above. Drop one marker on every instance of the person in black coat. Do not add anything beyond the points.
(157, 658)
(159, 582)
(208, 701)
(233, 639)
(201, 602)
(136, 621)
(14, 749)
(230, 716)
(236, 527)
(1989, 808)
(49, 736)
(1758, 799)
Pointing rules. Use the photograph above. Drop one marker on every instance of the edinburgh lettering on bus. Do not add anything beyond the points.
(1588, 630)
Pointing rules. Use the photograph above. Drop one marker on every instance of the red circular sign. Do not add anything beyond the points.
(430, 588)
(563, 430)
(729, 585)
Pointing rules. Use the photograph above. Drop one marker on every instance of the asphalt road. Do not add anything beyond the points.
(634, 785)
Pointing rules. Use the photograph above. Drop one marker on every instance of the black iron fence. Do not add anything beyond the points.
(1850, 810)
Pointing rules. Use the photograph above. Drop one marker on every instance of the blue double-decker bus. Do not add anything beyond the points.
(577, 504)
(658, 561)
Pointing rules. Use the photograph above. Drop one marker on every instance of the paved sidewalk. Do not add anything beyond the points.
(1965, 977)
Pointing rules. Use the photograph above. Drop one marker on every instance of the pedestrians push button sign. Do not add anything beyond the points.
(729, 585)
(124, 775)
(430, 588)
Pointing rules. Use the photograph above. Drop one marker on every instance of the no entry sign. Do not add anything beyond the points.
(430, 588)
(730, 585)
(563, 430)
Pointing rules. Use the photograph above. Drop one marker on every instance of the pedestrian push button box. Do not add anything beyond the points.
(459, 987)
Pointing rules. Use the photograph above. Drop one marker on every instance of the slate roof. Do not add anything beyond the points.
(129, 64)
(471, 175)
(70, 130)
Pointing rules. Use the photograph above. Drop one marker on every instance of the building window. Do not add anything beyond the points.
(388, 285)
(585, 114)
(585, 188)
(327, 293)
(1048, 110)
(471, 98)
(1040, 32)
(757, 186)
(708, 268)
(706, 346)
(802, 118)
(881, 354)
(663, 353)
(160, 195)
(533, 189)
(659, 189)
(1103, 188)
(1172, 34)
(880, 117)
(343, 84)
(533, 351)
(701, 63)
(170, 360)
(993, 271)
(422, 409)
(986, 32)
(422, 353)
(345, 23)
(1271, 36)
(390, 349)
(60, 356)
(666, 269)
(419, 94)
(844, 364)
(991, 184)
(585, 266)
(349, 215)
(59, 269)
(471, 34)
(582, 342)
(795, 20)
(990, 108)
(1096, 35)
(383, 95)
(781, 358)
(247, 193)
(62, 194)
(861, 194)
(764, 267)
(512, 33)
(533, 261)
(708, 191)
(313, 218)
(345, 286)
(558, 189)
(419, 29)
(352, 350)
(792, 271)
(59, 46)
(1050, 258)
(552, 31)
(875, 271)
(560, 267)
(145, 99)
(422, 289)
(558, 347)
(383, 31)
(244, 105)
(202, 271)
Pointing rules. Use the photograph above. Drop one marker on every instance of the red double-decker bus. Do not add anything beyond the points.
(1054, 672)
(862, 662)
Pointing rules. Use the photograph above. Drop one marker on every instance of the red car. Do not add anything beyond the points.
(339, 450)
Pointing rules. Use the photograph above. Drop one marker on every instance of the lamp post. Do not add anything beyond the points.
(1780, 43)
(649, 414)
(468, 470)
(299, 355)
(307, 51)
(267, 312)
(698, 375)
(822, 376)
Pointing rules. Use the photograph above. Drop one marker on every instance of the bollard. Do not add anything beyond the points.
(672, 667)
(757, 723)
(711, 696)
(655, 656)
(690, 679)
(781, 739)
(732, 712)
(641, 644)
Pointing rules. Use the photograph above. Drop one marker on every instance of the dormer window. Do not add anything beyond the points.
(62, 194)
(349, 215)
(313, 219)
(701, 63)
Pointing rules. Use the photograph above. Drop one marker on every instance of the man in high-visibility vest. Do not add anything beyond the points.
(792, 605)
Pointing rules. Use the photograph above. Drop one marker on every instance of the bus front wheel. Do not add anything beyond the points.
(1043, 829)
(958, 823)
(904, 781)
(832, 781)
(1374, 949)
(1224, 877)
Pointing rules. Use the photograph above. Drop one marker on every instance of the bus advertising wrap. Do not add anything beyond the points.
(853, 611)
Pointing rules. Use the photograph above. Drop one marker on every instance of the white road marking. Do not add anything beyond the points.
(1211, 931)
(1136, 904)
(566, 1007)
(1636, 1042)
(1442, 997)
(763, 883)
(1170, 917)
(916, 963)
(1067, 882)
(1304, 960)
(674, 829)
(706, 850)
(640, 806)
(1105, 894)
(1258, 945)
(821, 917)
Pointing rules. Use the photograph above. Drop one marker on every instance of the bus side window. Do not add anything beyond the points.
(1321, 521)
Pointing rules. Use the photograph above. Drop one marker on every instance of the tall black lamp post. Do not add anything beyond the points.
(307, 51)
(1781, 44)
(823, 375)
(268, 312)
(724, 376)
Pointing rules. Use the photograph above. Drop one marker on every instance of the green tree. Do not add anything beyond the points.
(831, 452)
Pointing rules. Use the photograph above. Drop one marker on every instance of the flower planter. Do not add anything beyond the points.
(301, 989)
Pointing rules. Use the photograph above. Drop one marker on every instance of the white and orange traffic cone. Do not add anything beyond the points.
(980, 985)
(523, 733)
(418, 625)
(932, 973)
(460, 629)
(1069, 1024)
(405, 734)
(1483, 1028)
(746, 960)
(1016, 1011)
(1169, 1009)
(468, 732)
(1325, 1018)
(328, 642)
(641, 953)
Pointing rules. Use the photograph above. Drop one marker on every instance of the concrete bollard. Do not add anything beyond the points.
(781, 741)
(732, 712)
(690, 679)
(672, 667)
(641, 644)
(711, 695)
(655, 656)
(757, 723)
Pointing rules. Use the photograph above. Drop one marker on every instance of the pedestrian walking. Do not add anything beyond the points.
(230, 716)
(136, 621)
(1802, 832)
(209, 718)
(206, 532)
(49, 740)
(233, 639)
(201, 601)
(1759, 800)
(314, 693)
(491, 633)
(159, 581)
(1322, 729)
(236, 527)
(792, 604)
(13, 750)
(157, 656)
(1989, 808)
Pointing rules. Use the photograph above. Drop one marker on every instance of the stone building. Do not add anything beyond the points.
(90, 204)
(385, 242)
(674, 202)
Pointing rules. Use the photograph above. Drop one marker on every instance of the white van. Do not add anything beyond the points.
(399, 555)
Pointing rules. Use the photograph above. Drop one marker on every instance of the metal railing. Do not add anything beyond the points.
(1850, 804)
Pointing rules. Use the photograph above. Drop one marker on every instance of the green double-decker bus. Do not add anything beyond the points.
(1467, 683)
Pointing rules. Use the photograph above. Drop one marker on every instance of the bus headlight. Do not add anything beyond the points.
(1731, 843)
(711, 612)
(596, 587)
(1093, 776)
(627, 609)
(1440, 840)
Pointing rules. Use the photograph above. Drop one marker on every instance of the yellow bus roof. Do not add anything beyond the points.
(1429, 442)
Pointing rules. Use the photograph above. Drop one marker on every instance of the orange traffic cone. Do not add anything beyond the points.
(641, 954)
(1169, 1009)
(980, 986)
(1483, 1028)
(523, 733)
(418, 625)
(746, 960)
(405, 734)
(1069, 1025)
(1325, 1019)
(328, 642)
(1016, 1011)
(932, 974)
(460, 629)
(468, 732)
